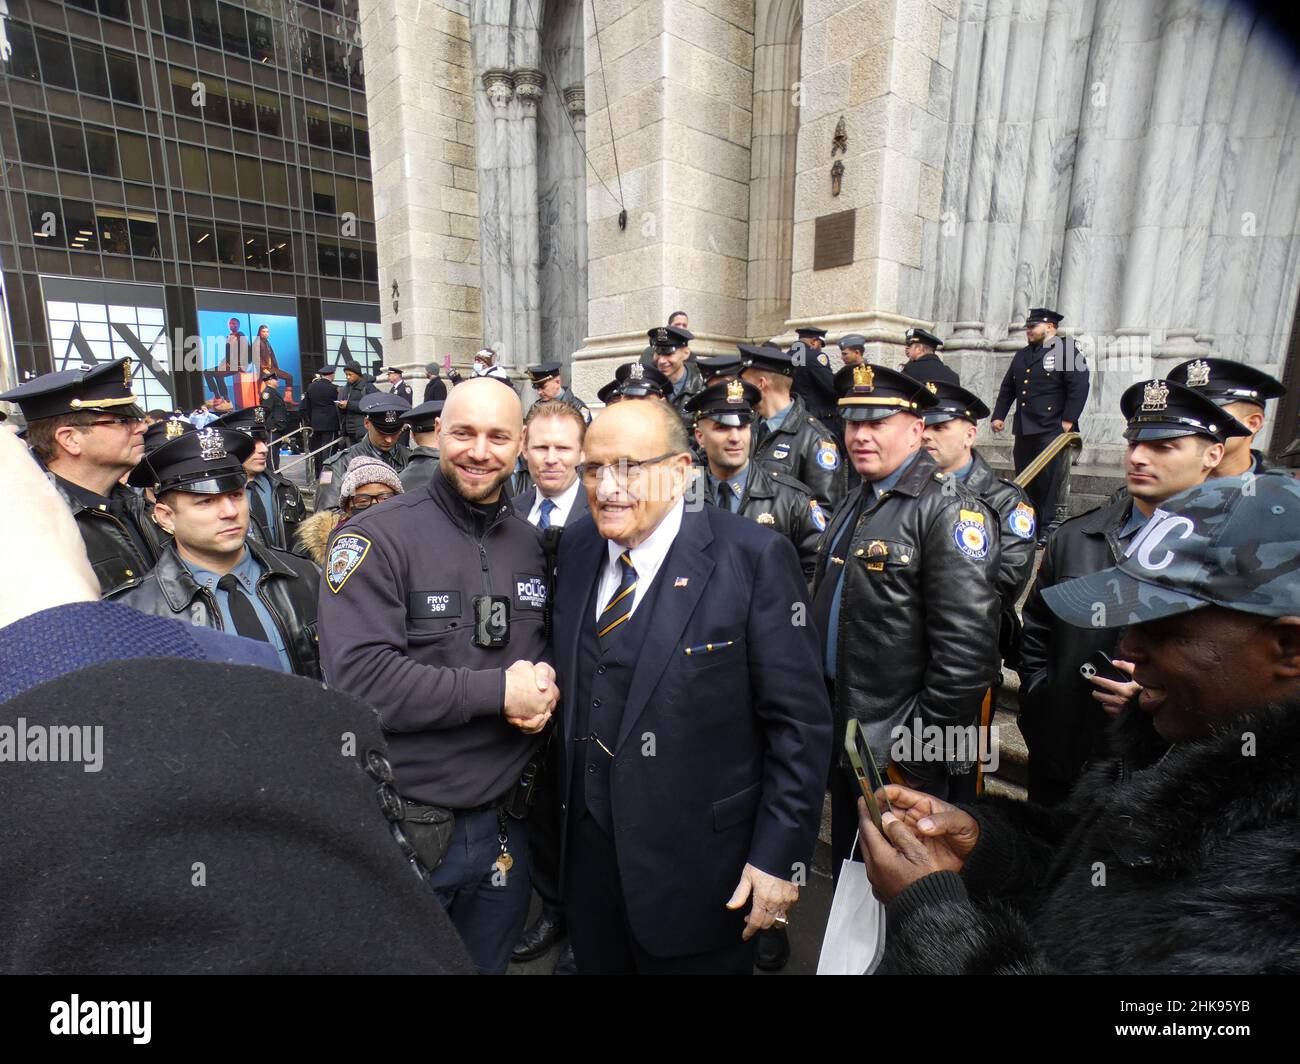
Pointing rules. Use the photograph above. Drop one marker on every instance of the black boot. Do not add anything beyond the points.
(773, 950)
(536, 940)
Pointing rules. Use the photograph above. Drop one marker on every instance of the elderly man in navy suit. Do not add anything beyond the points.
(697, 730)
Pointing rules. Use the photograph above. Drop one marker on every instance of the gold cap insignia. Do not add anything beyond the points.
(932, 387)
(212, 448)
(1155, 397)
(735, 392)
(1198, 374)
(126, 374)
(174, 428)
(864, 377)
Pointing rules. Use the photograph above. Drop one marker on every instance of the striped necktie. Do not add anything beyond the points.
(619, 608)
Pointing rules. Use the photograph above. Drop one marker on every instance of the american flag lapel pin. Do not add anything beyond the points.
(680, 582)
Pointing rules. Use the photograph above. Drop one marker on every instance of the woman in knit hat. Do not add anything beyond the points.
(367, 482)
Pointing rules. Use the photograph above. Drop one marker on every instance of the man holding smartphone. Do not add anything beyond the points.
(432, 610)
(1176, 438)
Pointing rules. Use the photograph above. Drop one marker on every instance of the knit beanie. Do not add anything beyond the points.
(366, 470)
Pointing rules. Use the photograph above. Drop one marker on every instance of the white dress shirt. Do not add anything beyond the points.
(563, 505)
(646, 559)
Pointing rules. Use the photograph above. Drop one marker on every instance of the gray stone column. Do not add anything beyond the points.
(498, 223)
(529, 85)
(419, 93)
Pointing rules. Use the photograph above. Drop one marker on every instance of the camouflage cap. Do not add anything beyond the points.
(1231, 542)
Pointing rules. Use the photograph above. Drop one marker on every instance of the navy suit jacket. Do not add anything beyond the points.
(524, 505)
(1045, 390)
(721, 757)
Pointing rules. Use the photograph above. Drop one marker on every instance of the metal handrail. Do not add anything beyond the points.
(1048, 456)
(290, 435)
(311, 454)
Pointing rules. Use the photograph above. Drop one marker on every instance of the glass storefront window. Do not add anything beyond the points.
(115, 238)
(144, 237)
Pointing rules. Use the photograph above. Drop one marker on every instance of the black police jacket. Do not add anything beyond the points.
(918, 622)
(807, 451)
(1062, 723)
(327, 493)
(1017, 531)
(273, 406)
(397, 630)
(566, 396)
(114, 557)
(1048, 384)
(318, 410)
(693, 386)
(288, 588)
(288, 511)
(351, 420)
(787, 506)
(814, 383)
(930, 367)
(420, 464)
(1017, 528)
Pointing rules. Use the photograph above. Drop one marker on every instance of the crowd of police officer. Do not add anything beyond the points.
(915, 550)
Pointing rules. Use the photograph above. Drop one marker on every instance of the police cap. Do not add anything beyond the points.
(719, 366)
(769, 357)
(728, 402)
(1037, 314)
(168, 429)
(923, 336)
(1225, 381)
(543, 372)
(250, 419)
(669, 337)
(871, 393)
(633, 380)
(855, 340)
(384, 410)
(952, 401)
(423, 417)
(70, 391)
(1162, 410)
(209, 461)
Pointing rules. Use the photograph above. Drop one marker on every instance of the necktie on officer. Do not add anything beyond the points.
(548, 508)
(259, 513)
(619, 608)
(241, 610)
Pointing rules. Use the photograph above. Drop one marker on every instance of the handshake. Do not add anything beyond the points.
(531, 695)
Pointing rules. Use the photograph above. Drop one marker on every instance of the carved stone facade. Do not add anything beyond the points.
(1130, 162)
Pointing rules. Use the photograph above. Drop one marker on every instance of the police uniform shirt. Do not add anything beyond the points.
(680, 384)
(262, 485)
(563, 505)
(778, 419)
(878, 489)
(1135, 522)
(647, 558)
(728, 493)
(247, 572)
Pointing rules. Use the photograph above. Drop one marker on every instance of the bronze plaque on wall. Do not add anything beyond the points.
(833, 240)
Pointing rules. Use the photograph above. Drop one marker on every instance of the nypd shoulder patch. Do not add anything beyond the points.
(1021, 521)
(828, 457)
(818, 515)
(821, 357)
(346, 555)
(970, 536)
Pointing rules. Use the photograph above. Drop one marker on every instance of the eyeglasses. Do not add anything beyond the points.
(360, 502)
(624, 471)
(119, 419)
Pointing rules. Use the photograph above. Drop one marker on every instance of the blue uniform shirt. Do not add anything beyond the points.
(878, 488)
(247, 573)
(778, 419)
(729, 492)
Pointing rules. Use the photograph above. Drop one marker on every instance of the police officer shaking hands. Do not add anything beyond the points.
(433, 610)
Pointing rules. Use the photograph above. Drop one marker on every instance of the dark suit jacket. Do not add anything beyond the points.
(435, 389)
(1048, 384)
(524, 505)
(741, 735)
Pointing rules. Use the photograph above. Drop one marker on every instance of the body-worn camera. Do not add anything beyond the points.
(491, 621)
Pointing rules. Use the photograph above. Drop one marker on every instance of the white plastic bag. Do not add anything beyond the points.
(855, 931)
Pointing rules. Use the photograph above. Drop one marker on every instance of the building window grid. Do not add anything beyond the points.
(356, 260)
